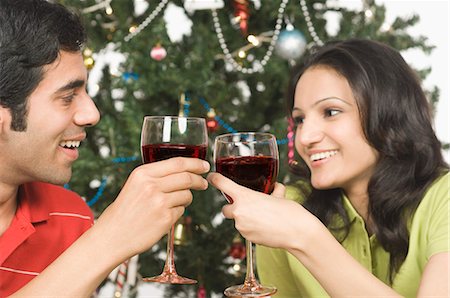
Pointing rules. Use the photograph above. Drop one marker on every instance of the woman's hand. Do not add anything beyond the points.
(270, 220)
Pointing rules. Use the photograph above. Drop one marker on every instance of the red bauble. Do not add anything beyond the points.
(241, 12)
(212, 124)
(201, 292)
(237, 250)
(158, 53)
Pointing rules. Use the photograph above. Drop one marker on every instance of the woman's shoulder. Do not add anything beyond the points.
(439, 189)
(435, 199)
(297, 191)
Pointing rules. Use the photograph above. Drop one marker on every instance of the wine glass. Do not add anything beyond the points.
(249, 159)
(163, 137)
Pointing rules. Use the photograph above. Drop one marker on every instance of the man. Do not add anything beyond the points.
(48, 243)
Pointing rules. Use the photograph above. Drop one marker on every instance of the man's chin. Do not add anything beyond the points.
(60, 179)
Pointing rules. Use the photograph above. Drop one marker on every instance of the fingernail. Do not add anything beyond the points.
(206, 165)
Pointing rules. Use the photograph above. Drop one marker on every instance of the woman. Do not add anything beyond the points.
(373, 188)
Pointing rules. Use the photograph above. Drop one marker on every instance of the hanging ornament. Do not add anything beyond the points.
(201, 292)
(88, 60)
(211, 122)
(183, 232)
(185, 104)
(237, 249)
(129, 76)
(291, 44)
(158, 53)
(241, 15)
(193, 5)
(178, 24)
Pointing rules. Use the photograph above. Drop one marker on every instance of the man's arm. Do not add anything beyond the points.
(153, 198)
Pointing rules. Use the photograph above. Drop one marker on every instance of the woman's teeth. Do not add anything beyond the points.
(322, 155)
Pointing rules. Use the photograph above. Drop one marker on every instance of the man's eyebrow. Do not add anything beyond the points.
(71, 85)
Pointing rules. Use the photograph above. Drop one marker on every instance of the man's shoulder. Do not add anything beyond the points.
(55, 197)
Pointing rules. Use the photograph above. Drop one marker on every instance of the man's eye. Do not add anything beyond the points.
(69, 98)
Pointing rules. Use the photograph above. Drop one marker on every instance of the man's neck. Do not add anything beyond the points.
(8, 205)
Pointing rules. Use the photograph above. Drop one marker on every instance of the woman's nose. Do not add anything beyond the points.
(309, 133)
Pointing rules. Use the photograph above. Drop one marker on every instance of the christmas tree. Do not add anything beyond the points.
(226, 61)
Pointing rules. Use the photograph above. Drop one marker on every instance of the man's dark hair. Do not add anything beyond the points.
(32, 33)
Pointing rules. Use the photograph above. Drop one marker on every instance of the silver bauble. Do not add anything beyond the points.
(291, 44)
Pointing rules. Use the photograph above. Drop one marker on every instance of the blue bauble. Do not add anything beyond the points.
(291, 44)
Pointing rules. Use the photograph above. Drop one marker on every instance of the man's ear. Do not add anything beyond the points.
(5, 118)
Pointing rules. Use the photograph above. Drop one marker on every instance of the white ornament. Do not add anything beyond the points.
(245, 90)
(119, 105)
(177, 23)
(140, 6)
(260, 87)
(291, 44)
(108, 56)
(95, 184)
(104, 151)
(193, 5)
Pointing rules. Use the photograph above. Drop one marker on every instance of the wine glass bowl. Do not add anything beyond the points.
(164, 137)
(249, 159)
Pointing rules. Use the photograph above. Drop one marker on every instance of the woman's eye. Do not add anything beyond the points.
(298, 120)
(331, 112)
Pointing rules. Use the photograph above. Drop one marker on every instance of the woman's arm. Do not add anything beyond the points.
(277, 222)
(436, 278)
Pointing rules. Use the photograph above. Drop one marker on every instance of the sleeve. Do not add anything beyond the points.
(438, 230)
(273, 264)
(273, 269)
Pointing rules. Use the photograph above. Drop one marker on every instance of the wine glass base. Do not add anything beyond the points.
(170, 278)
(255, 290)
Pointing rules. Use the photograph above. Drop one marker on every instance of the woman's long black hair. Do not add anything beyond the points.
(396, 120)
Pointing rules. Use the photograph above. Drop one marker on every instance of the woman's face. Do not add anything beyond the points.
(329, 135)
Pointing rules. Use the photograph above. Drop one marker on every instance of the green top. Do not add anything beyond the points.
(429, 235)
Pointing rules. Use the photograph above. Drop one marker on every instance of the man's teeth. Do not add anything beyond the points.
(70, 144)
(322, 155)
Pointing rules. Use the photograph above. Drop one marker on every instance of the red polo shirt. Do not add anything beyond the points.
(48, 219)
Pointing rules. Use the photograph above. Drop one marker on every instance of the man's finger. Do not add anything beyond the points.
(179, 198)
(179, 181)
(177, 165)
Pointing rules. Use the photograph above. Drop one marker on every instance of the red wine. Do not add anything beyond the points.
(256, 172)
(157, 152)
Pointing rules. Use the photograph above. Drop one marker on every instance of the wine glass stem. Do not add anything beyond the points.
(250, 279)
(169, 267)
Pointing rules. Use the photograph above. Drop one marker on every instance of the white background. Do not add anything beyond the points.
(433, 24)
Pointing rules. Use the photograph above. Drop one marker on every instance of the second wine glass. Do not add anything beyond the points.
(249, 159)
(163, 137)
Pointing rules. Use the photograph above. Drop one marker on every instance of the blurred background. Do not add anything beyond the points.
(227, 61)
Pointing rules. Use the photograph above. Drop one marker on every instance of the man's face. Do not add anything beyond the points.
(58, 110)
